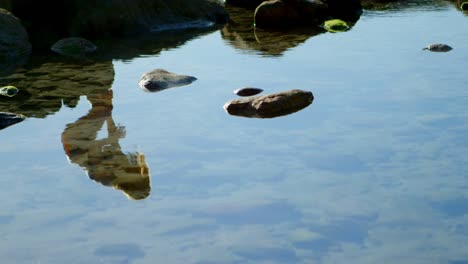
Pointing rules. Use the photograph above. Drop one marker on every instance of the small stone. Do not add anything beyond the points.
(248, 91)
(159, 79)
(438, 48)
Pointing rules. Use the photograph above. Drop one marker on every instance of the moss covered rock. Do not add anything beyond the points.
(8, 91)
(335, 25)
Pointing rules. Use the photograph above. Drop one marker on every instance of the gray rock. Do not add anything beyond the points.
(248, 91)
(8, 119)
(270, 106)
(159, 79)
(438, 48)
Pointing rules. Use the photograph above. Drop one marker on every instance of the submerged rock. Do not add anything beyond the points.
(159, 79)
(9, 91)
(74, 47)
(248, 91)
(8, 119)
(438, 48)
(269, 106)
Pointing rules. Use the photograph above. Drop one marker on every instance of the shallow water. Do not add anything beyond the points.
(374, 171)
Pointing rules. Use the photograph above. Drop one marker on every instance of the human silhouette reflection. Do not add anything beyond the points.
(103, 159)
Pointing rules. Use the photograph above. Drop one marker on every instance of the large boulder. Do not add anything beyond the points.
(287, 13)
(269, 106)
(349, 10)
(14, 44)
(244, 3)
(99, 18)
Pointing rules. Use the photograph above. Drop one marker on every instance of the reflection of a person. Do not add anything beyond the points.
(103, 159)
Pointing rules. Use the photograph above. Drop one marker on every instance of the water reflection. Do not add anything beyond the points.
(409, 5)
(103, 159)
(241, 34)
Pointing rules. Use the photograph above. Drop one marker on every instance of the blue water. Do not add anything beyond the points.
(374, 171)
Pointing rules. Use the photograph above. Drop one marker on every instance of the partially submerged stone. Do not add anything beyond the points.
(73, 46)
(270, 106)
(8, 119)
(9, 91)
(335, 25)
(248, 91)
(159, 79)
(438, 48)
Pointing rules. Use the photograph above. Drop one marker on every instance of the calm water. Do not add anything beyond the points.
(374, 171)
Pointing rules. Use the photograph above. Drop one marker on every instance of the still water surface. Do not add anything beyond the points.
(374, 171)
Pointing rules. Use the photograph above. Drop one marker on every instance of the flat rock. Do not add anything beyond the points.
(159, 79)
(269, 106)
(8, 119)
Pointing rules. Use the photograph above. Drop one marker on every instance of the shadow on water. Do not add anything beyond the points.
(241, 34)
(49, 81)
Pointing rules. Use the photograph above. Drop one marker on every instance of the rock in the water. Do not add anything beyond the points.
(248, 91)
(73, 47)
(335, 25)
(269, 106)
(159, 79)
(8, 119)
(244, 3)
(289, 13)
(438, 48)
(9, 91)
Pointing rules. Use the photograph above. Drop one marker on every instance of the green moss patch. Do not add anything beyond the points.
(335, 25)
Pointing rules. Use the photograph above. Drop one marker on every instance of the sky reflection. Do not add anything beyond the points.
(373, 172)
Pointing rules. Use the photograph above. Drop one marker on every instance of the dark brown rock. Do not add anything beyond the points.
(248, 91)
(269, 106)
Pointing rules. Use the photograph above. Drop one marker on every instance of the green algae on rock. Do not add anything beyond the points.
(9, 91)
(335, 25)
